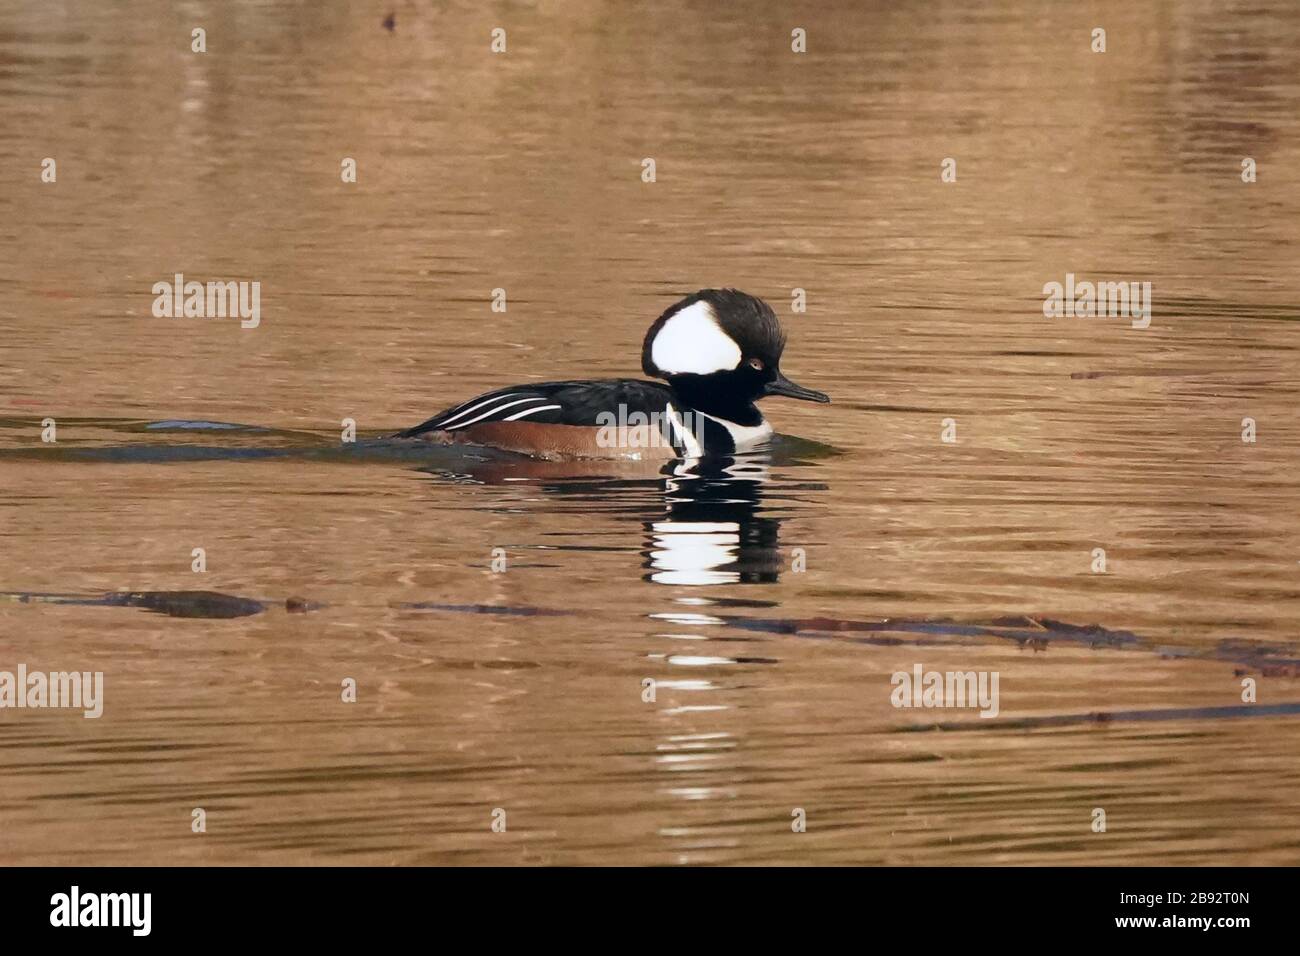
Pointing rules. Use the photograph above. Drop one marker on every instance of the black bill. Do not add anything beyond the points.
(783, 386)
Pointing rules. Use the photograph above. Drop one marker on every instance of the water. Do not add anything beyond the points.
(523, 690)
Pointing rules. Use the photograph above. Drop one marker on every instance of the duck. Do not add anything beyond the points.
(716, 353)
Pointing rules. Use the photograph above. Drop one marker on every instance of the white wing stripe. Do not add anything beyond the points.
(495, 411)
(486, 401)
(529, 411)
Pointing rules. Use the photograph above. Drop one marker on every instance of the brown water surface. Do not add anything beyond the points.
(523, 690)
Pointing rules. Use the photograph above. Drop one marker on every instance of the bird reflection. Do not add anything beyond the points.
(713, 532)
(706, 525)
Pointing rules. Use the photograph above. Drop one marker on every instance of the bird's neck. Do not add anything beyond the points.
(721, 404)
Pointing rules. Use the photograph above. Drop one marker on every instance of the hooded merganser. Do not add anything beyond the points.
(719, 350)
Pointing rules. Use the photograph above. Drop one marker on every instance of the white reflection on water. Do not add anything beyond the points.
(690, 552)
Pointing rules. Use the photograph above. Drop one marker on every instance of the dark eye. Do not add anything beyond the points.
(756, 363)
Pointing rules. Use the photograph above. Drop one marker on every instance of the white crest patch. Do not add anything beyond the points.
(692, 341)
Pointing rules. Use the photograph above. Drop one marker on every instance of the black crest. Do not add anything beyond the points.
(749, 321)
